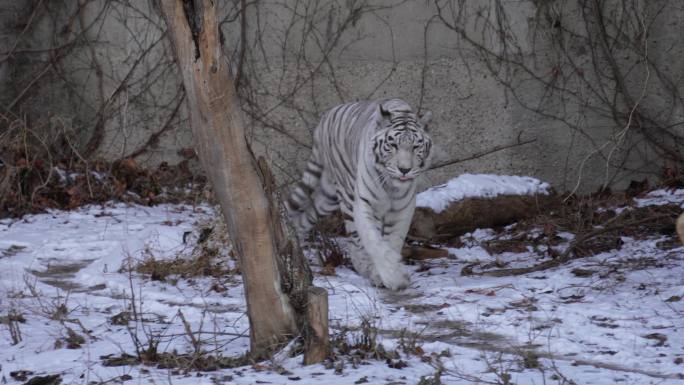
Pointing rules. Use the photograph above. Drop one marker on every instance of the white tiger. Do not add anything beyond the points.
(365, 160)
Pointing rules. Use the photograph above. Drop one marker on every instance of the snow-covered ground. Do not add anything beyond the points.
(66, 274)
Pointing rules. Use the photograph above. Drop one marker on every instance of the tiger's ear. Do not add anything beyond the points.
(384, 112)
(425, 118)
(388, 107)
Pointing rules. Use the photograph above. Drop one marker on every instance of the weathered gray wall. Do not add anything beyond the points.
(301, 58)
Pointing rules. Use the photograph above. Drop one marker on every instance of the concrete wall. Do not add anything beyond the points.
(302, 58)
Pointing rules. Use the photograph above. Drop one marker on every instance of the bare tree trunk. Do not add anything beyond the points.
(274, 271)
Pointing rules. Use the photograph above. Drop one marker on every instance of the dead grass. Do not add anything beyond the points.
(211, 256)
(595, 224)
(41, 168)
(180, 361)
(203, 266)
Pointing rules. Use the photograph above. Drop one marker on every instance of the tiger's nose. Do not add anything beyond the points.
(404, 170)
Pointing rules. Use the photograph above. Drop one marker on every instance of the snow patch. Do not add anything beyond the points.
(479, 186)
(661, 197)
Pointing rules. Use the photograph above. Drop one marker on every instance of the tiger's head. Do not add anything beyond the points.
(402, 146)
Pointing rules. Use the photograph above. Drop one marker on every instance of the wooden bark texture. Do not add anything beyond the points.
(218, 129)
(473, 213)
(316, 340)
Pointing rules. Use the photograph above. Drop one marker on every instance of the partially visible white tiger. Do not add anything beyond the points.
(365, 160)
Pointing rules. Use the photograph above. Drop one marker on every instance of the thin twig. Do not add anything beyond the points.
(188, 331)
(482, 153)
(154, 138)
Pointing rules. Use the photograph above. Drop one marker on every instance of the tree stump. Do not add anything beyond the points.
(316, 340)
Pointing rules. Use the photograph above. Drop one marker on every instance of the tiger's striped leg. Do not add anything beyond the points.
(395, 230)
(323, 201)
(325, 198)
(301, 198)
(360, 259)
(385, 259)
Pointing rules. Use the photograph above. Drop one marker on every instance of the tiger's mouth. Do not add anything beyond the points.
(405, 178)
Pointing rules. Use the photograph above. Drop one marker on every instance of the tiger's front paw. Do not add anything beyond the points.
(394, 276)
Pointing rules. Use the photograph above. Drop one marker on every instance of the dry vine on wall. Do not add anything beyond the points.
(93, 78)
(83, 79)
(605, 70)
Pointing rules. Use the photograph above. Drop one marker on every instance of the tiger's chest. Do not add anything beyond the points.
(386, 205)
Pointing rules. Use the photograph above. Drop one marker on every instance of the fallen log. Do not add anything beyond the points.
(469, 214)
(422, 253)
